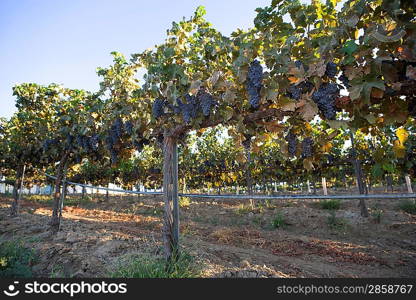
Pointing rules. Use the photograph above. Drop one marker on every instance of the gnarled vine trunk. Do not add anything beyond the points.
(56, 206)
(17, 190)
(170, 197)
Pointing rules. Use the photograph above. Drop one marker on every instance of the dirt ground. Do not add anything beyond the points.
(228, 239)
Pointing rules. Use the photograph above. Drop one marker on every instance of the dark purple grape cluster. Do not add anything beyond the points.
(206, 101)
(85, 143)
(114, 156)
(128, 126)
(307, 150)
(255, 74)
(175, 108)
(331, 69)
(189, 106)
(295, 91)
(292, 143)
(189, 109)
(118, 127)
(158, 108)
(79, 140)
(114, 135)
(325, 98)
(48, 143)
(69, 142)
(94, 142)
(254, 83)
(88, 143)
(116, 130)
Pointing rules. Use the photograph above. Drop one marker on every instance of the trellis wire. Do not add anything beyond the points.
(260, 197)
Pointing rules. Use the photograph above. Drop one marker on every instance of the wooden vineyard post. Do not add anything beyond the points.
(61, 205)
(389, 183)
(170, 197)
(324, 186)
(17, 192)
(21, 184)
(408, 184)
(107, 193)
(359, 176)
(247, 147)
(83, 190)
(184, 185)
(55, 220)
(63, 195)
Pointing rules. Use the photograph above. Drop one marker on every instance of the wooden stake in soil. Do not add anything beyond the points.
(324, 186)
(55, 220)
(17, 196)
(408, 184)
(359, 175)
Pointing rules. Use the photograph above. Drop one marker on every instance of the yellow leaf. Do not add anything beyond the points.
(398, 149)
(293, 79)
(402, 135)
(327, 147)
(307, 164)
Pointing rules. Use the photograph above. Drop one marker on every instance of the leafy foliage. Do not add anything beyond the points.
(146, 266)
(15, 259)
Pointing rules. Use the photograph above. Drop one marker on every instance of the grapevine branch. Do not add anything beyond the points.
(252, 117)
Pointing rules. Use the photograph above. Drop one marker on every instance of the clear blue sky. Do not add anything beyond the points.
(64, 41)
